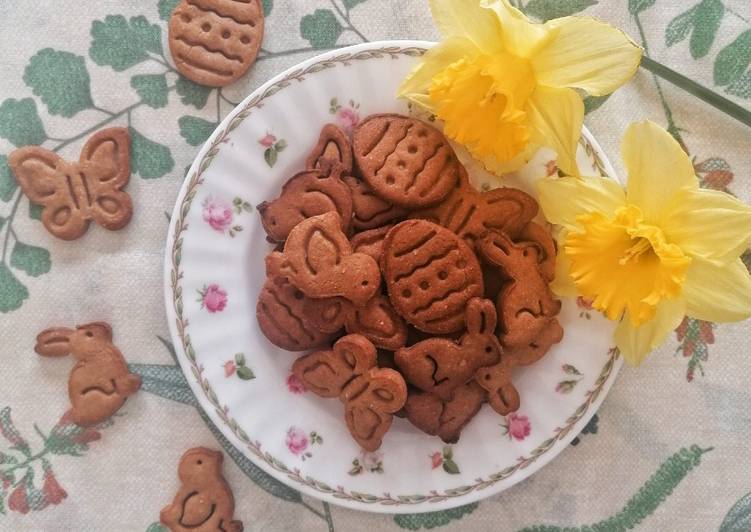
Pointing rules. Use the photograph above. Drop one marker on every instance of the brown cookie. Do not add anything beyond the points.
(439, 365)
(503, 396)
(318, 260)
(470, 213)
(204, 502)
(370, 211)
(307, 194)
(326, 373)
(215, 42)
(370, 402)
(445, 419)
(371, 242)
(376, 320)
(100, 382)
(333, 146)
(526, 306)
(73, 194)
(430, 274)
(405, 161)
(537, 234)
(280, 312)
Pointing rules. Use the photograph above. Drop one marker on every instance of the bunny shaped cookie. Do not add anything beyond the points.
(439, 365)
(100, 382)
(204, 502)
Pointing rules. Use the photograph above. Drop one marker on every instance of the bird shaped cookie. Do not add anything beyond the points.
(204, 502)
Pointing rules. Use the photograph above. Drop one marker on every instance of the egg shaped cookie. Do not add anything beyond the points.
(431, 274)
(215, 42)
(405, 161)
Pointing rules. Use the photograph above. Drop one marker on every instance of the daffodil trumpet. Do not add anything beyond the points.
(657, 251)
(504, 86)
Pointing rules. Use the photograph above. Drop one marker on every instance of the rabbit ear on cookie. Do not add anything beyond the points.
(54, 342)
(481, 316)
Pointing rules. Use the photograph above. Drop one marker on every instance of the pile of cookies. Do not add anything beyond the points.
(440, 289)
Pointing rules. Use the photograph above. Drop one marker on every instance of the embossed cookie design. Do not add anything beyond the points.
(307, 194)
(371, 242)
(204, 502)
(333, 146)
(100, 382)
(318, 260)
(369, 210)
(431, 274)
(470, 213)
(74, 194)
(405, 161)
(445, 419)
(281, 317)
(215, 42)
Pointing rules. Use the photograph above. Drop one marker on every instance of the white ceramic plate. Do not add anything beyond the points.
(214, 270)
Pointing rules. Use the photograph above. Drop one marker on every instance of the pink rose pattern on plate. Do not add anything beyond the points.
(517, 426)
(272, 148)
(298, 441)
(574, 376)
(238, 367)
(445, 459)
(220, 215)
(367, 462)
(585, 307)
(295, 385)
(347, 116)
(213, 298)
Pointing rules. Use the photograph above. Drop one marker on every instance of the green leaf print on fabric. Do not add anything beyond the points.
(152, 88)
(649, 497)
(321, 29)
(148, 158)
(157, 527)
(12, 292)
(35, 211)
(166, 7)
(637, 6)
(741, 87)
(550, 9)
(8, 183)
(738, 518)
(349, 4)
(20, 124)
(733, 60)
(680, 27)
(192, 93)
(120, 43)
(702, 21)
(61, 80)
(195, 130)
(33, 260)
(268, 5)
(434, 519)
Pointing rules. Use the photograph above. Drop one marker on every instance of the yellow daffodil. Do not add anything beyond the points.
(659, 250)
(504, 86)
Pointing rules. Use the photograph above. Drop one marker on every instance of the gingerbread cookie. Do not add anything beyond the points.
(318, 260)
(535, 233)
(370, 402)
(371, 242)
(73, 194)
(333, 145)
(445, 419)
(326, 373)
(307, 194)
(100, 382)
(440, 365)
(370, 211)
(431, 274)
(280, 312)
(204, 502)
(376, 320)
(405, 161)
(526, 306)
(470, 213)
(215, 42)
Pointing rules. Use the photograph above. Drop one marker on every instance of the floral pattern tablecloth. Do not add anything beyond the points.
(667, 451)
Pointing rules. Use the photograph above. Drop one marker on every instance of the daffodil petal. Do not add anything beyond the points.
(718, 293)
(416, 85)
(563, 284)
(587, 54)
(657, 168)
(519, 36)
(465, 18)
(709, 224)
(635, 343)
(556, 117)
(563, 199)
(501, 168)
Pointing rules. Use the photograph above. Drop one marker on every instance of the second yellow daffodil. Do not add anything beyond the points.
(504, 86)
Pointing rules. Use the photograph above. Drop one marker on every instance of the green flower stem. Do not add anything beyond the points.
(101, 110)
(9, 221)
(731, 109)
(227, 100)
(737, 15)
(329, 520)
(27, 462)
(350, 26)
(309, 507)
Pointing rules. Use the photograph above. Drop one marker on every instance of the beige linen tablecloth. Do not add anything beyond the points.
(668, 451)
